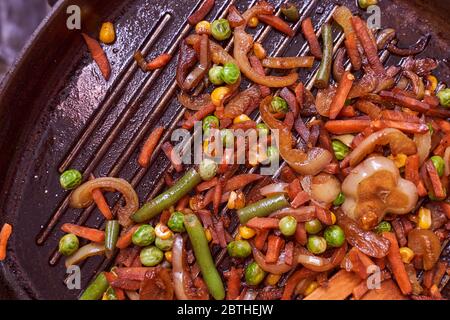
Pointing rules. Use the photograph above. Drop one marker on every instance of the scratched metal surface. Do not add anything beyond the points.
(72, 118)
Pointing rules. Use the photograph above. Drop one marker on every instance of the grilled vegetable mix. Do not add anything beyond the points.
(312, 226)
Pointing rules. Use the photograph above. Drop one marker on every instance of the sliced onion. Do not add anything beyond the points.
(423, 143)
(447, 161)
(274, 268)
(321, 264)
(89, 250)
(82, 196)
(274, 188)
(325, 188)
(310, 260)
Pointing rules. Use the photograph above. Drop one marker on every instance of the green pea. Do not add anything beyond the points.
(444, 97)
(227, 137)
(164, 245)
(207, 169)
(239, 249)
(278, 104)
(263, 129)
(144, 236)
(364, 4)
(339, 199)
(313, 226)
(334, 235)
(70, 179)
(230, 73)
(340, 149)
(220, 29)
(316, 244)
(210, 122)
(176, 222)
(215, 75)
(254, 275)
(151, 256)
(288, 225)
(68, 244)
(383, 226)
(439, 164)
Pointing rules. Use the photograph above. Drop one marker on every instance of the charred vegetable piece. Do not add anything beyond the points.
(111, 235)
(239, 249)
(70, 179)
(96, 289)
(168, 198)
(203, 256)
(290, 11)
(151, 256)
(254, 274)
(68, 244)
(220, 29)
(144, 236)
(323, 75)
(334, 235)
(262, 208)
(444, 97)
(176, 222)
(215, 75)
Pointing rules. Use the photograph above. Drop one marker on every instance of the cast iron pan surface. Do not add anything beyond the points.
(57, 111)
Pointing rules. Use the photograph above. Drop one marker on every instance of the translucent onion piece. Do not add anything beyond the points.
(89, 250)
(274, 188)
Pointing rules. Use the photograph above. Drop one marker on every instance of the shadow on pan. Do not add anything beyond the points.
(57, 112)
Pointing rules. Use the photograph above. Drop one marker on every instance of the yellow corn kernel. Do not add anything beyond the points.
(311, 287)
(219, 94)
(333, 218)
(105, 296)
(253, 22)
(168, 255)
(246, 232)
(272, 279)
(424, 218)
(407, 254)
(203, 27)
(208, 235)
(241, 118)
(432, 83)
(236, 200)
(399, 159)
(259, 51)
(163, 232)
(107, 33)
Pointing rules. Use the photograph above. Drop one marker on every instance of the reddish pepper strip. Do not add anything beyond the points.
(201, 12)
(198, 116)
(233, 276)
(149, 147)
(300, 199)
(405, 101)
(259, 69)
(346, 126)
(263, 223)
(172, 156)
(205, 185)
(159, 62)
(341, 94)
(399, 116)
(348, 112)
(294, 188)
(218, 195)
(310, 35)
(260, 238)
(277, 23)
(324, 215)
(300, 234)
(406, 127)
(274, 246)
(98, 55)
(240, 181)
(438, 189)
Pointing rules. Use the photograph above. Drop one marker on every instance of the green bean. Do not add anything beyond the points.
(168, 198)
(203, 256)
(111, 235)
(96, 288)
(323, 75)
(262, 208)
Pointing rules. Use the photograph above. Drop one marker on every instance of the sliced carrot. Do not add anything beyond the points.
(405, 101)
(311, 38)
(438, 189)
(98, 55)
(5, 233)
(348, 111)
(351, 44)
(91, 234)
(149, 147)
(172, 156)
(342, 91)
(233, 276)
(397, 266)
(369, 108)
(357, 265)
(159, 62)
(301, 198)
(101, 203)
(164, 217)
(263, 223)
(182, 203)
(198, 116)
(260, 238)
(274, 246)
(346, 126)
(125, 239)
(444, 125)
(324, 215)
(293, 281)
(406, 127)
(399, 116)
(240, 181)
(412, 174)
(259, 69)
(277, 23)
(294, 188)
(218, 189)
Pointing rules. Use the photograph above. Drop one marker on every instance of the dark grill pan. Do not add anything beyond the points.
(57, 112)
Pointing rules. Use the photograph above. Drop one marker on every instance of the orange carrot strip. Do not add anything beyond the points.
(369, 108)
(206, 185)
(357, 265)
(172, 156)
(311, 38)
(98, 55)
(397, 266)
(341, 94)
(406, 127)
(351, 44)
(149, 147)
(369, 47)
(300, 234)
(164, 217)
(159, 62)
(348, 111)
(301, 198)
(405, 101)
(260, 238)
(201, 12)
(125, 239)
(293, 281)
(198, 116)
(233, 282)
(277, 23)
(217, 195)
(324, 215)
(294, 188)
(399, 116)
(274, 245)
(240, 181)
(101, 203)
(91, 234)
(339, 287)
(5, 233)
(438, 189)
(444, 125)
(263, 223)
(412, 173)
(346, 126)
(259, 69)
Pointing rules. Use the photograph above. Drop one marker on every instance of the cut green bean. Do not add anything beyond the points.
(168, 198)
(111, 235)
(323, 75)
(96, 288)
(262, 208)
(203, 256)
